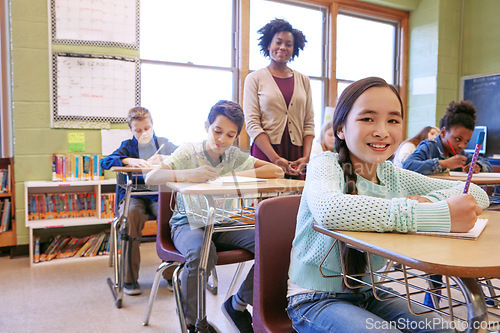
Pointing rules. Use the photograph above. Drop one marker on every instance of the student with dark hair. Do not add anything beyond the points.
(197, 163)
(138, 152)
(277, 102)
(407, 147)
(358, 189)
(446, 151)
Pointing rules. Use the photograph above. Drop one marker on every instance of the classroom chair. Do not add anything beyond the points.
(275, 221)
(171, 257)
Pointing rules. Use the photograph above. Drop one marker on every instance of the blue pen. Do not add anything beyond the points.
(479, 142)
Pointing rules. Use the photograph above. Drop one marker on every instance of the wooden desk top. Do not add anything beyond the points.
(271, 186)
(447, 256)
(475, 179)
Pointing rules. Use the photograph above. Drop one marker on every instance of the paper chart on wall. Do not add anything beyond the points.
(99, 89)
(95, 22)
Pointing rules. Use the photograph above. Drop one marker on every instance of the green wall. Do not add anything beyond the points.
(443, 49)
(481, 47)
(34, 140)
(435, 53)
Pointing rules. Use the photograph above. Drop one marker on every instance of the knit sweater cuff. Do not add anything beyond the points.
(433, 217)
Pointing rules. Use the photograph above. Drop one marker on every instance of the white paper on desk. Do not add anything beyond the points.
(237, 180)
(472, 234)
(476, 175)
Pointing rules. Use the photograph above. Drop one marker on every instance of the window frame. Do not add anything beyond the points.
(383, 14)
(241, 42)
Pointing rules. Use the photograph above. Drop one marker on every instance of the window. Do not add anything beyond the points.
(365, 47)
(311, 20)
(184, 70)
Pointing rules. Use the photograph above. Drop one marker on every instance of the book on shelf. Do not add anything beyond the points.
(36, 251)
(43, 206)
(53, 243)
(76, 167)
(5, 180)
(6, 215)
(472, 234)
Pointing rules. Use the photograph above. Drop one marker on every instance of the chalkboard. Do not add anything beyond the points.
(97, 88)
(484, 92)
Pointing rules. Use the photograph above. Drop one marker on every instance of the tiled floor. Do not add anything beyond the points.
(73, 296)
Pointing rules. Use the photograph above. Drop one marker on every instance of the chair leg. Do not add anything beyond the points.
(213, 286)
(154, 290)
(236, 276)
(112, 241)
(178, 300)
(492, 293)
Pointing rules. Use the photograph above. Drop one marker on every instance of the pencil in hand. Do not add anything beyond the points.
(152, 158)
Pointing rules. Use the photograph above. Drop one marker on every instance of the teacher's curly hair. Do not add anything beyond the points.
(279, 25)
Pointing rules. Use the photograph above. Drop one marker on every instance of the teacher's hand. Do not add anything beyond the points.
(298, 166)
(283, 164)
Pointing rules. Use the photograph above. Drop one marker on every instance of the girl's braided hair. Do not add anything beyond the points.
(355, 261)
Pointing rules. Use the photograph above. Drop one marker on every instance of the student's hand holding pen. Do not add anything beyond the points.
(156, 159)
(464, 211)
(202, 174)
(457, 161)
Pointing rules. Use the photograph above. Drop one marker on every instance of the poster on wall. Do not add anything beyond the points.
(95, 22)
(94, 88)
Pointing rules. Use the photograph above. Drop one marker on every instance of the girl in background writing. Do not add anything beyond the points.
(357, 189)
(446, 151)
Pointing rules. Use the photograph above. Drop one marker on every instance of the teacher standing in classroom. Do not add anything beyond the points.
(277, 102)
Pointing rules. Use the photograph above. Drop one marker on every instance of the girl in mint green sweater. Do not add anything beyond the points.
(357, 189)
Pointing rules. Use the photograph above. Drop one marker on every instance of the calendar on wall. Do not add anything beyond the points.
(95, 22)
(95, 88)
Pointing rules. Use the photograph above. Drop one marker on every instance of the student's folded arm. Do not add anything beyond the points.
(484, 164)
(420, 161)
(262, 169)
(160, 175)
(435, 189)
(115, 158)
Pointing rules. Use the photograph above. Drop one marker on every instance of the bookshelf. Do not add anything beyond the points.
(53, 225)
(9, 237)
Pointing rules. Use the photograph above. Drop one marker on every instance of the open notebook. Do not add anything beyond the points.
(472, 234)
(237, 180)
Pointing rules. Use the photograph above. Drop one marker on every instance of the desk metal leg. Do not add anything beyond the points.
(120, 233)
(476, 306)
(201, 322)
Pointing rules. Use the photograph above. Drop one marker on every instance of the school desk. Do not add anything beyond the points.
(126, 178)
(467, 261)
(476, 179)
(215, 199)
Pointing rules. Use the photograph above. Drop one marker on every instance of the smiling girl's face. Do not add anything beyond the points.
(373, 130)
